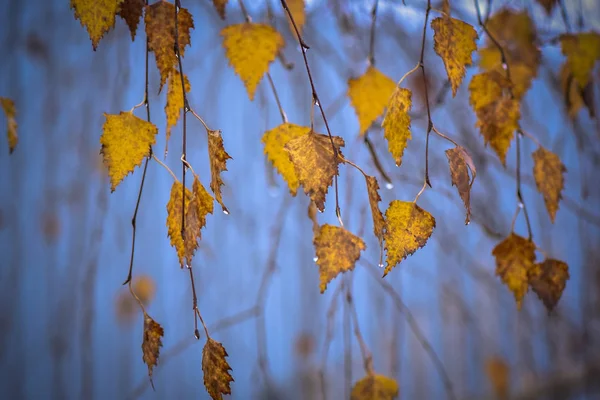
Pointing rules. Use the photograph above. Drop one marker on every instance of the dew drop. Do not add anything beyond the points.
(389, 185)
(380, 265)
(315, 259)
(521, 205)
(320, 211)
(196, 334)
(468, 223)
(225, 211)
(317, 103)
(504, 66)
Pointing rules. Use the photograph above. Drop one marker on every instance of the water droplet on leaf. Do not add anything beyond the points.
(196, 334)
(225, 211)
(315, 259)
(389, 185)
(380, 265)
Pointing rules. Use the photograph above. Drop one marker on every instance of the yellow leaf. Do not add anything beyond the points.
(572, 92)
(548, 280)
(460, 163)
(126, 140)
(97, 16)
(582, 51)
(498, 374)
(250, 48)
(275, 141)
(220, 6)
(497, 113)
(337, 251)
(131, 11)
(407, 228)
(215, 368)
(375, 387)
(374, 199)
(370, 94)
(396, 124)
(174, 218)
(218, 163)
(548, 173)
(11, 123)
(315, 163)
(160, 28)
(515, 32)
(152, 343)
(548, 5)
(454, 41)
(174, 101)
(297, 8)
(515, 256)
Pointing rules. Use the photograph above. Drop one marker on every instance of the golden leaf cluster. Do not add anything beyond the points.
(217, 378)
(8, 106)
(369, 95)
(126, 141)
(375, 387)
(250, 49)
(337, 251)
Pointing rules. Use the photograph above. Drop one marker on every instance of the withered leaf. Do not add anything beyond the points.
(407, 228)
(515, 256)
(548, 280)
(217, 378)
(131, 11)
(174, 218)
(548, 173)
(337, 251)
(220, 5)
(460, 163)
(375, 387)
(315, 163)
(374, 199)
(160, 28)
(152, 343)
(218, 163)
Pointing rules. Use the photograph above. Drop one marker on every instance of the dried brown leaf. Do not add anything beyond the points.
(548, 280)
(548, 173)
(218, 163)
(217, 378)
(460, 163)
(131, 11)
(151, 344)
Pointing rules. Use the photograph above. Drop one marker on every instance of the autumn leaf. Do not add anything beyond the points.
(315, 163)
(131, 11)
(396, 124)
(407, 228)
(548, 280)
(217, 378)
(548, 174)
(582, 51)
(126, 141)
(151, 344)
(297, 8)
(312, 215)
(275, 141)
(174, 101)
(160, 28)
(374, 199)
(498, 374)
(337, 251)
(548, 5)
(370, 94)
(11, 123)
(144, 288)
(454, 41)
(97, 16)
(515, 33)
(515, 256)
(174, 218)
(220, 5)
(460, 163)
(375, 387)
(572, 92)
(218, 163)
(497, 113)
(250, 49)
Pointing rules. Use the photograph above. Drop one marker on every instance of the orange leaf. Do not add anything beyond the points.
(460, 163)
(217, 378)
(151, 344)
(220, 5)
(131, 11)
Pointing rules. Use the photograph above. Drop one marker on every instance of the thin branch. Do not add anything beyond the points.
(315, 100)
(422, 65)
(521, 203)
(376, 161)
(372, 36)
(440, 134)
(281, 112)
(364, 350)
(139, 196)
(328, 337)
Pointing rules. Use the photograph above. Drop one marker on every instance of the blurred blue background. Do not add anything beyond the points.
(67, 328)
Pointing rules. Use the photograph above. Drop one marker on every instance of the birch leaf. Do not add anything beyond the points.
(315, 163)
(370, 94)
(151, 344)
(374, 199)
(396, 124)
(337, 251)
(454, 41)
(407, 228)
(460, 163)
(582, 51)
(275, 141)
(174, 101)
(11, 122)
(216, 370)
(548, 280)
(548, 173)
(174, 218)
(218, 163)
(131, 11)
(250, 49)
(126, 141)
(220, 5)
(375, 387)
(298, 10)
(515, 257)
(97, 16)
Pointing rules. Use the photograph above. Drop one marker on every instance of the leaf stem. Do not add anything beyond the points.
(422, 65)
(364, 350)
(165, 167)
(328, 337)
(281, 111)
(376, 161)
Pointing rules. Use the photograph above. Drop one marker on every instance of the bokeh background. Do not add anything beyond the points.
(68, 329)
